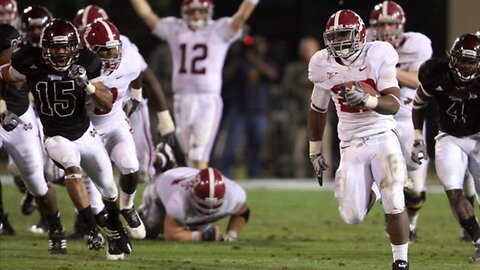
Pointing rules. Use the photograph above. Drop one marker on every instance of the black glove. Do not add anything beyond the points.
(9, 120)
(355, 97)
(419, 151)
(319, 165)
(170, 138)
(209, 234)
(79, 74)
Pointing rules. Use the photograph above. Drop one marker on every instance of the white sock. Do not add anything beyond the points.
(126, 200)
(400, 252)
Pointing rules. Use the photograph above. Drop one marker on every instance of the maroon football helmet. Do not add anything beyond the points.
(344, 34)
(465, 57)
(103, 38)
(8, 12)
(208, 191)
(33, 20)
(60, 44)
(87, 15)
(388, 21)
(190, 6)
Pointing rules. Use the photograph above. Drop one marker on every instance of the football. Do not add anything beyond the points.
(367, 87)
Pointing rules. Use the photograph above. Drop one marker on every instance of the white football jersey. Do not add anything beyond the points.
(174, 188)
(415, 50)
(198, 56)
(131, 65)
(327, 74)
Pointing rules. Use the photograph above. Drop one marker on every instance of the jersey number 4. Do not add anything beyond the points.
(456, 112)
(200, 51)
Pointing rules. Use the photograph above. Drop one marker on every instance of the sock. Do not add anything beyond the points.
(400, 252)
(413, 222)
(86, 215)
(113, 219)
(54, 222)
(126, 200)
(471, 226)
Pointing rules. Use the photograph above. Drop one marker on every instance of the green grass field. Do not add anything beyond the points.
(287, 230)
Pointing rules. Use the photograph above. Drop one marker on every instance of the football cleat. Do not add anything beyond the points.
(400, 265)
(41, 227)
(476, 257)
(27, 204)
(5, 226)
(118, 244)
(95, 240)
(412, 236)
(134, 224)
(57, 242)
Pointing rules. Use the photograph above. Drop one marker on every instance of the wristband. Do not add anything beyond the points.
(418, 134)
(90, 88)
(165, 122)
(3, 106)
(255, 2)
(196, 236)
(136, 93)
(371, 102)
(314, 147)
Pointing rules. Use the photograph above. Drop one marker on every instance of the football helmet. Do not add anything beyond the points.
(388, 20)
(87, 15)
(465, 57)
(103, 38)
(344, 34)
(60, 44)
(8, 12)
(197, 20)
(33, 20)
(208, 191)
(9, 37)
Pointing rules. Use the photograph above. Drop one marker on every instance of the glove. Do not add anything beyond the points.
(419, 151)
(9, 120)
(319, 165)
(230, 236)
(211, 234)
(355, 97)
(79, 74)
(170, 139)
(131, 106)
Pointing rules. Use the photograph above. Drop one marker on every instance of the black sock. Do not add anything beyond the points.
(101, 218)
(54, 222)
(113, 219)
(86, 215)
(471, 227)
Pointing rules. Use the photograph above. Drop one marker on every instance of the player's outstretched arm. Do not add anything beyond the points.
(236, 223)
(242, 14)
(174, 231)
(145, 12)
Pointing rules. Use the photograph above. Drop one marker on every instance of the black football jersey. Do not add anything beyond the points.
(59, 101)
(458, 104)
(16, 98)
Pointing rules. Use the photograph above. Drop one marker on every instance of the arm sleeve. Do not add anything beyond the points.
(164, 27)
(225, 30)
(320, 98)
(387, 76)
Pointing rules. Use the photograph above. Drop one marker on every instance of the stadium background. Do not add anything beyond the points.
(284, 23)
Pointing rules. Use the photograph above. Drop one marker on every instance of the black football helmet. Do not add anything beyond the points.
(9, 37)
(60, 44)
(465, 57)
(33, 20)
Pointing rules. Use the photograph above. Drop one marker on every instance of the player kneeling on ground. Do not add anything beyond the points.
(183, 203)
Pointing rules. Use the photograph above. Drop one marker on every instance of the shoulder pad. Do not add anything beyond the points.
(433, 71)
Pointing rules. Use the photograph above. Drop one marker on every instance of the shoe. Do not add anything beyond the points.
(163, 149)
(41, 227)
(118, 244)
(57, 242)
(95, 240)
(476, 257)
(27, 204)
(6, 227)
(412, 236)
(400, 265)
(465, 237)
(79, 230)
(134, 223)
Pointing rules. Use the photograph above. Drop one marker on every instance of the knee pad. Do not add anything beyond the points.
(414, 201)
(392, 184)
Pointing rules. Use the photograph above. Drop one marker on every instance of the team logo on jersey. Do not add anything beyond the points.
(331, 74)
(27, 126)
(362, 68)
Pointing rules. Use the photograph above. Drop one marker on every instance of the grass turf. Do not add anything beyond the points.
(287, 230)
